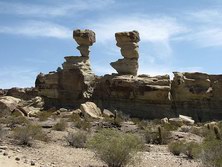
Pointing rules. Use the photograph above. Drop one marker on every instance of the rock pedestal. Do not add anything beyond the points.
(73, 83)
(84, 38)
(127, 41)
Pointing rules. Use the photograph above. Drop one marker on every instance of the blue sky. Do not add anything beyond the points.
(176, 35)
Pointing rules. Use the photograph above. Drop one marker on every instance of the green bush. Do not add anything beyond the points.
(44, 115)
(212, 153)
(115, 148)
(156, 135)
(1, 132)
(176, 147)
(61, 125)
(192, 150)
(12, 121)
(77, 140)
(25, 135)
(82, 124)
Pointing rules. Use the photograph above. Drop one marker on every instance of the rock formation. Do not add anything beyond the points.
(73, 83)
(84, 38)
(197, 95)
(141, 96)
(127, 41)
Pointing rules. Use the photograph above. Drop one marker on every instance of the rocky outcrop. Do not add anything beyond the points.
(73, 83)
(127, 41)
(141, 96)
(197, 95)
(22, 93)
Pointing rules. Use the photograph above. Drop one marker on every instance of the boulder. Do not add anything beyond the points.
(84, 37)
(108, 113)
(125, 37)
(8, 104)
(164, 120)
(176, 121)
(187, 120)
(90, 109)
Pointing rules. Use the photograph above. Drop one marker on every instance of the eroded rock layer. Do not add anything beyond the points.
(141, 96)
(198, 95)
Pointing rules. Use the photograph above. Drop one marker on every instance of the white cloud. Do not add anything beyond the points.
(54, 9)
(150, 29)
(205, 37)
(38, 29)
(206, 28)
(206, 16)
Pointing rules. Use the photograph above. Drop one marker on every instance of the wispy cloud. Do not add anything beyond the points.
(38, 29)
(150, 29)
(66, 8)
(206, 28)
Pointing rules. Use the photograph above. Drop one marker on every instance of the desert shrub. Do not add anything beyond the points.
(1, 132)
(170, 127)
(142, 124)
(212, 153)
(74, 118)
(156, 135)
(192, 150)
(44, 115)
(61, 125)
(77, 140)
(176, 147)
(12, 121)
(82, 124)
(25, 135)
(185, 129)
(203, 132)
(115, 148)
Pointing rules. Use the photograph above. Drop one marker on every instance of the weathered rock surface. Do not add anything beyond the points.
(84, 38)
(125, 66)
(8, 104)
(90, 109)
(73, 84)
(127, 41)
(142, 96)
(22, 93)
(197, 95)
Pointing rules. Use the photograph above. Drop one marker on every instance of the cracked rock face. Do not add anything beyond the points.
(127, 41)
(85, 39)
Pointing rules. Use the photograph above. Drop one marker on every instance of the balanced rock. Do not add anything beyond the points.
(73, 83)
(127, 41)
(84, 38)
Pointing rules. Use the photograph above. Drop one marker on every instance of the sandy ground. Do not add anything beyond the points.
(54, 155)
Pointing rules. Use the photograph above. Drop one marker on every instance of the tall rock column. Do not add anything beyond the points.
(128, 42)
(73, 83)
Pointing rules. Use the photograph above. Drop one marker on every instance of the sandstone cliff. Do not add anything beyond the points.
(197, 95)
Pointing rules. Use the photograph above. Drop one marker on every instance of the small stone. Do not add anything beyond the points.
(32, 163)
(17, 159)
(5, 154)
(3, 147)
